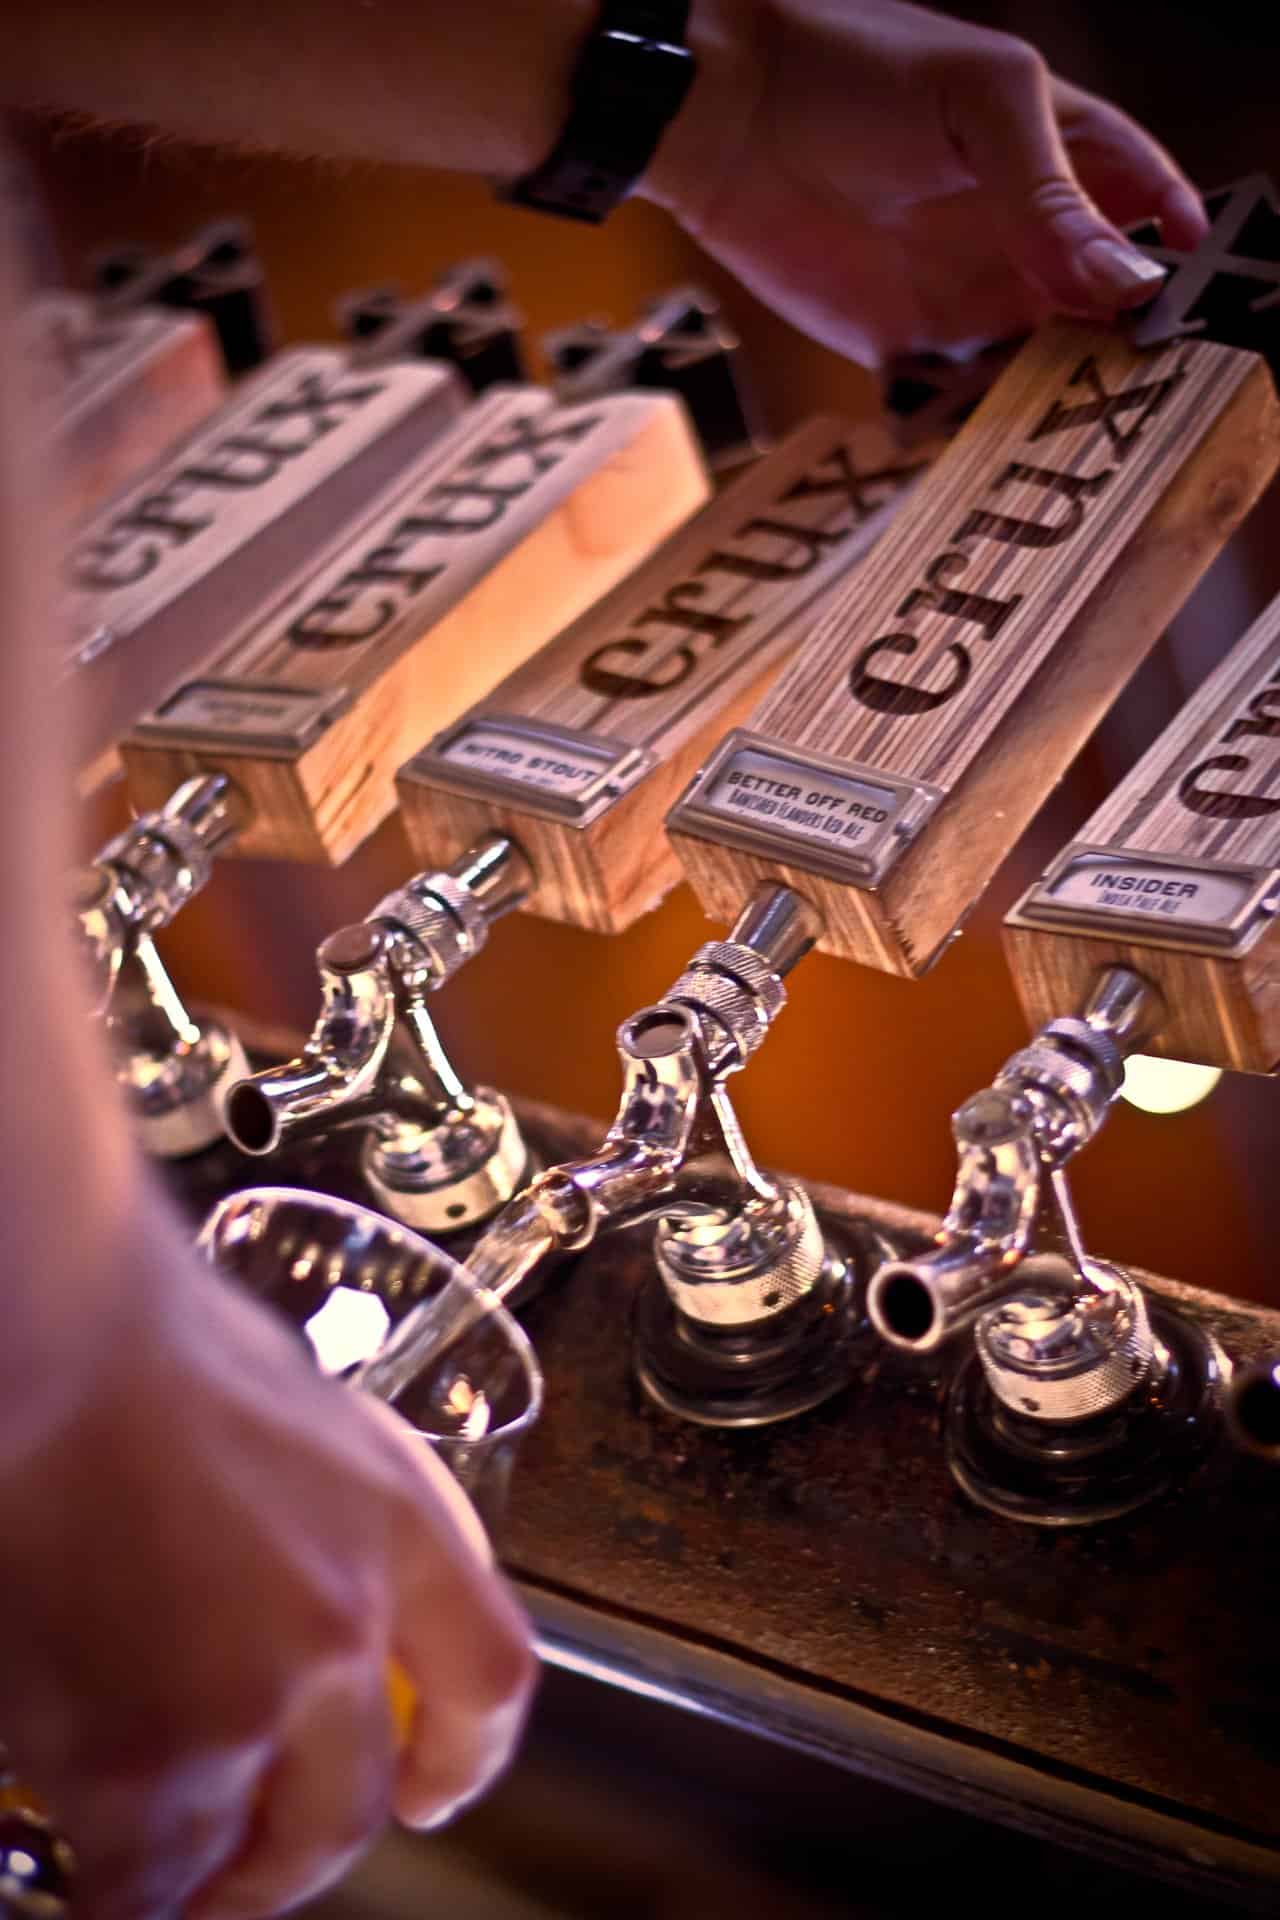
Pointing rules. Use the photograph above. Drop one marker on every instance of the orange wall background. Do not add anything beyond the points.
(857, 1083)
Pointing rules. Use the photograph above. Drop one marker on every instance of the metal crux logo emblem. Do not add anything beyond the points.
(1228, 289)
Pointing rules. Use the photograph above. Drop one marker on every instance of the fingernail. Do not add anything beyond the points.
(1114, 271)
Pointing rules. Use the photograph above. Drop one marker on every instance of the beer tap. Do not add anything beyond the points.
(754, 1317)
(1014, 1141)
(438, 1154)
(375, 643)
(1083, 1396)
(173, 1067)
(1086, 1395)
(568, 762)
(894, 765)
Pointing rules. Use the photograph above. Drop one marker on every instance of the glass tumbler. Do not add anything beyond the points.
(347, 1279)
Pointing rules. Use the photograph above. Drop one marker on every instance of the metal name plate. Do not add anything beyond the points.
(1162, 898)
(258, 718)
(557, 773)
(833, 817)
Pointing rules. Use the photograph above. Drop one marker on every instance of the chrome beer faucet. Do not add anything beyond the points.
(745, 1320)
(1013, 1143)
(174, 1069)
(1083, 1397)
(439, 1155)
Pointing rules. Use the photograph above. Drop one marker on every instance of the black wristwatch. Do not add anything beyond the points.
(630, 81)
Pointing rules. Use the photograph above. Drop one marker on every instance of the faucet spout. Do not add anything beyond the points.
(918, 1304)
(335, 1080)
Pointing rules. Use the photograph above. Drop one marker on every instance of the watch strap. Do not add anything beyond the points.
(630, 81)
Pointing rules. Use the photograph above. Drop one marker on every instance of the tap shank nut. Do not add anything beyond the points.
(1074, 1067)
(442, 916)
(162, 864)
(731, 985)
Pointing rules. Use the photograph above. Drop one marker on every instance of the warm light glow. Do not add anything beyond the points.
(469, 1406)
(349, 1327)
(1166, 1086)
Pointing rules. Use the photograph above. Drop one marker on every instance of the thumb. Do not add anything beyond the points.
(1003, 124)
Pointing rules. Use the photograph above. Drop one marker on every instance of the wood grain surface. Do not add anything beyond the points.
(1208, 793)
(211, 532)
(127, 386)
(674, 656)
(519, 519)
(1030, 573)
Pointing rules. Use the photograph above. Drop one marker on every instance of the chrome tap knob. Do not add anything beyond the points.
(1072, 1073)
(734, 986)
(442, 917)
(737, 997)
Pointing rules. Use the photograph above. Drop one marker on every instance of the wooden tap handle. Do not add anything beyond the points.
(1178, 876)
(896, 762)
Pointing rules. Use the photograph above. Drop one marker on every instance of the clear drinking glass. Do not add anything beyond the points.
(346, 1278)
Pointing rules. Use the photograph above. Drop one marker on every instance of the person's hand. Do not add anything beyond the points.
(894, 181)
(206, 1566)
